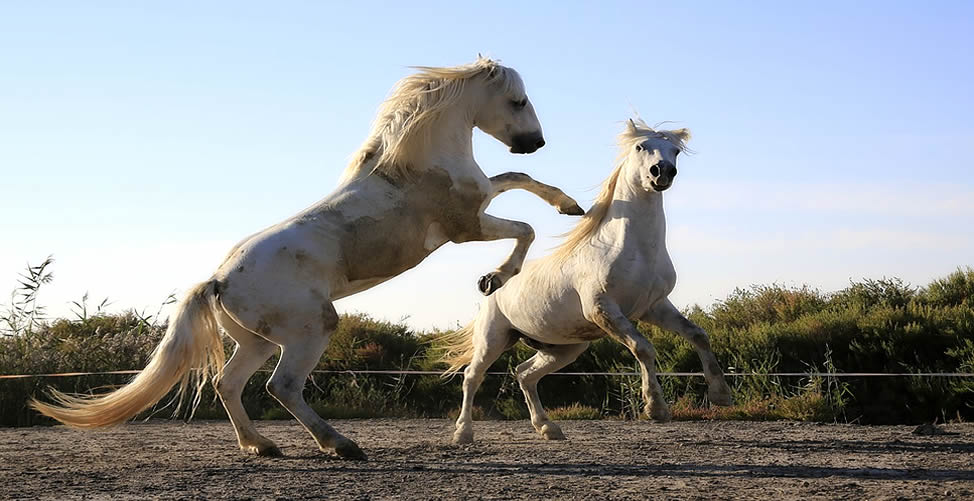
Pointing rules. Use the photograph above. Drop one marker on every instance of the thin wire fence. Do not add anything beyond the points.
(603, 374)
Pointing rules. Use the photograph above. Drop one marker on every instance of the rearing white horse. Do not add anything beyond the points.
(613, 267)
(412, 187)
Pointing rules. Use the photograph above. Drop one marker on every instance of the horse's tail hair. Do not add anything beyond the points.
(456, 349)
(189, 354)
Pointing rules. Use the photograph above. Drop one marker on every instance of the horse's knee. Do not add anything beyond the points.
(527, 383)
(698, 337)
(511, 177)
(645, 351)
(472, 378)
(284, 388)
(226, 388)
(527, 376)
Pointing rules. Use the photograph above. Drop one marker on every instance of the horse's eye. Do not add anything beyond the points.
(639, 147)
(519, 104)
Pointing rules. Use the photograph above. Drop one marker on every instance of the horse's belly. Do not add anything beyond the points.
(356, 286)
(558, 323)
(564, 333)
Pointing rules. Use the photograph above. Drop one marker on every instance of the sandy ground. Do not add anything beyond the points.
(413, 459)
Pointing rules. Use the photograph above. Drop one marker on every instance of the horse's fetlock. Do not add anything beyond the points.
(463, 435)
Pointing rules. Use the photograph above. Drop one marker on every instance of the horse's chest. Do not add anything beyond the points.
(638, 284)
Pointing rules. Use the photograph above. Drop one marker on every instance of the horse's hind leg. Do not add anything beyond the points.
(251, 352)
(490, 339)
(300, 352)
(544, 362)
(666, 316)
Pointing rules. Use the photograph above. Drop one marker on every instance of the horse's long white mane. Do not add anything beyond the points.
(402, 125)
(636, 131)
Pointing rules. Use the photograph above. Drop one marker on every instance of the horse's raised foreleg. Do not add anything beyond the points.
(251, 352)
(666, 316)
(554, 196)
(605, 312)
(490, 339)
(542, 363)
(495, 228)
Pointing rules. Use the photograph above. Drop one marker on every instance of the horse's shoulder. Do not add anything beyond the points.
(444, 187)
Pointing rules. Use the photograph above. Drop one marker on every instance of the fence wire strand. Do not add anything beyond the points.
(497, 373)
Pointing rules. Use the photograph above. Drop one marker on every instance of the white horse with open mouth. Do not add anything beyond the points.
(412, 187)
(613, 268)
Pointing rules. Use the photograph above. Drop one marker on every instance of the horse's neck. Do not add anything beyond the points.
(450, 146)
(635, 217)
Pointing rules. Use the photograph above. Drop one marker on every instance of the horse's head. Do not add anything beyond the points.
(652, 154)
(506, 113)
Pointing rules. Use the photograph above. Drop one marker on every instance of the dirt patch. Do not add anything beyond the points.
(413, 459)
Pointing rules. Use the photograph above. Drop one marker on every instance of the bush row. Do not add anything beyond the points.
(871, 326)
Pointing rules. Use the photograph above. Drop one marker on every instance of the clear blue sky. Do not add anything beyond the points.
(834, 140)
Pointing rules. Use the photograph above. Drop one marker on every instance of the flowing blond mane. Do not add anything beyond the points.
(402, 125)
(636, 131)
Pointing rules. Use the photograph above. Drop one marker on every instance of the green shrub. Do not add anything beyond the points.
(871, 326)
(957, 289)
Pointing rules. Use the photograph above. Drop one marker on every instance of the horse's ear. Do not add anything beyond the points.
(630, 126)
(682, 134)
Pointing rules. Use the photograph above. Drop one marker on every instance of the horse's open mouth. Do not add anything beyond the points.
(659, 187)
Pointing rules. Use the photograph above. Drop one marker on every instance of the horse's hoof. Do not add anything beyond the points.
(551, 431)
(722, 397)
(574, 210)
(489, 283)
(463, 437)
(270, 452)
(347, 449)
(660, 415)
(267, 451)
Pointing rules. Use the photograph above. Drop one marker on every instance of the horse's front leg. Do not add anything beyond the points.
(495, 228)
(605, 312)
(554, 196)
(666, 316)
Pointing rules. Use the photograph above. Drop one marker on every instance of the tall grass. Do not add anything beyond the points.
(871, 326)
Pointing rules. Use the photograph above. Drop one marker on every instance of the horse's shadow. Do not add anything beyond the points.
(461, 465)
(860, 446)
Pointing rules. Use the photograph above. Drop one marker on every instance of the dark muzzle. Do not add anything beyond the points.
(527, 143)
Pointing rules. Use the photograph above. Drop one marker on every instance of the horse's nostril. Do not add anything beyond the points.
(540, 143)
(654, 170)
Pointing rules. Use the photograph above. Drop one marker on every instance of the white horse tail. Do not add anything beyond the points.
(191, 351)
(457, 348)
